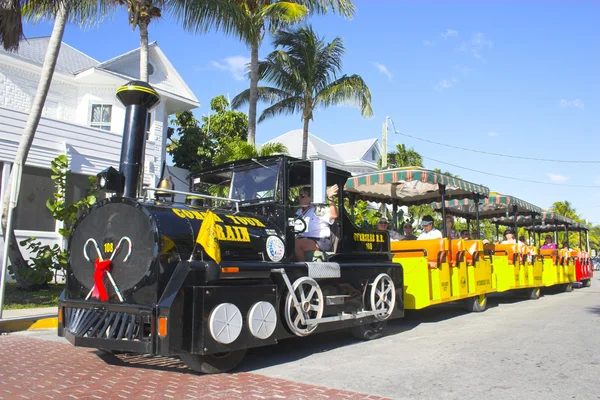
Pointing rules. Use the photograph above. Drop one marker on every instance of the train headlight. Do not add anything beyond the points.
(110, 180)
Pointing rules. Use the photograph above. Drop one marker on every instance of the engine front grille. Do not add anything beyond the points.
(105, 324)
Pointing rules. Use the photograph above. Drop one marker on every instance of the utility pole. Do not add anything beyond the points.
(384, 144)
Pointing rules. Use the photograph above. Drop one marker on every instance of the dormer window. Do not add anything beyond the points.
(373, 154)
(101, 116)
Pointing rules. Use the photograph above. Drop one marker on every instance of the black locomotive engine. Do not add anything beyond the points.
(141, 279)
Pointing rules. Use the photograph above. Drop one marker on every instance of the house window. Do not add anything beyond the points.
(101, 116)
(373, 154)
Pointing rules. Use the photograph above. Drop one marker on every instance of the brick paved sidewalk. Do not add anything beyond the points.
(32, 368)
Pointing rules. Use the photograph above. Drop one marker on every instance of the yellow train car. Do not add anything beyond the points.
(436, 270)
(514, 263)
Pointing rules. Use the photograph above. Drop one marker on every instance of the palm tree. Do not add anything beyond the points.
(305, 73)
(240, 149)
(403, 157)
(251, 21)
(566, 209)
(206, 14)
(10, 34)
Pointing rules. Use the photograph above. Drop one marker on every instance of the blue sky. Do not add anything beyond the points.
(509, 77)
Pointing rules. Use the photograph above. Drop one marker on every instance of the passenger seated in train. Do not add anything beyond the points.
(464, 234)
(429, 232)
(409, 232)
(509, 237)
(548, 243)
(450, 232)
(382, 225)
(318, 219)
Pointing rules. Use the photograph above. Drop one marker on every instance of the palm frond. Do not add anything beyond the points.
(270, 149)
(281, 13)
(350, 90)
(343, 7)
(291, 105)
(11, 24)
(266, 94)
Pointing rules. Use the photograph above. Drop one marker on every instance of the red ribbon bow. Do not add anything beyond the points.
(100, 268)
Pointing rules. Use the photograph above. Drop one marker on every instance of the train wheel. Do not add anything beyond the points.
(310, 299)
(533, 293)
(477, 303)
(371, 331)
(213, 363)
(567, 287)
(587, 283)
(382, 297)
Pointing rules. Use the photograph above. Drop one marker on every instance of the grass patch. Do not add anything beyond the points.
(15, 299)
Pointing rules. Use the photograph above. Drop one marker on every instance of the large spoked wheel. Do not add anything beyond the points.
(371, 331)
(477, 303)
(382, 297)
(533, 293)
(213, 363)
(310, 306)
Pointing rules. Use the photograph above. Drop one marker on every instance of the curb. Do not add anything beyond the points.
(29, 323)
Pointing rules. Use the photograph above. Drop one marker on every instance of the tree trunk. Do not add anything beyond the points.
(253, 94)
(305, 138)
(15, 256)
(143, 51)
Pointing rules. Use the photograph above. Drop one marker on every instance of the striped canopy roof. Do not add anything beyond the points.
(497, 205)
(522, 220)
(412, 186)
(549, 221)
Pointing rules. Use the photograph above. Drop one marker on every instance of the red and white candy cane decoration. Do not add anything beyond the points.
(102, 267)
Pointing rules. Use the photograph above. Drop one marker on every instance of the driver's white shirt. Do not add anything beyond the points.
(317, 226)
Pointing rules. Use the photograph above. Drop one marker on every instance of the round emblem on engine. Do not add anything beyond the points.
(275, 248)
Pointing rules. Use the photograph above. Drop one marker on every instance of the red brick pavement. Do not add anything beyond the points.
(38, 369)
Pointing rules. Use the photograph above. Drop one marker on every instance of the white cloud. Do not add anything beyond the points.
(557, 177)
(571, 104)
(476, 45)
(492, 133)
(445, 83)
(383, 69)
(427, 43)
(234, 64)
(449, 33)
(463, 69)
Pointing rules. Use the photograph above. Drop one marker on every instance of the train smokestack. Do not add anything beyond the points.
(138, 97)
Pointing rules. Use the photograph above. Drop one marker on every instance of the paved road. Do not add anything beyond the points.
(518, 349)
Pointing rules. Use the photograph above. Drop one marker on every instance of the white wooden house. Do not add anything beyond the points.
(82, 118)
(359, 157)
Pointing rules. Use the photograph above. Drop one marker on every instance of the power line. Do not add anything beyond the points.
(510, 177)
(499, 154)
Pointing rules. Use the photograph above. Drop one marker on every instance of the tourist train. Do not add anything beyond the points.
(207, 279)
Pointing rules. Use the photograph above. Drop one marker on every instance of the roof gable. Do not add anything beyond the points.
(70, 60)
(342, 152)
(164, 76)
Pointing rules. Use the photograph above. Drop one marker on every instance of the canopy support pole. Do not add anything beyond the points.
(395, 214)
(556, 234)
(477, 216)
(587, 241)
(469, 227)
(515, 213)
(443, 194)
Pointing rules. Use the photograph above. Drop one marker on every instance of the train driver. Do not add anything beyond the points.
(318, 219)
